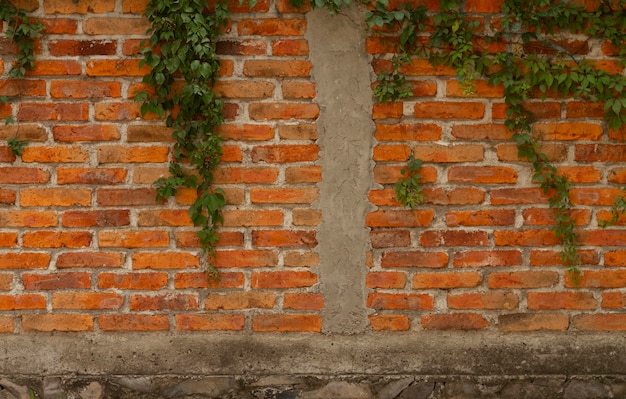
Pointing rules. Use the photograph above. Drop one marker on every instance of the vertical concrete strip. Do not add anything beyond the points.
(341, 72)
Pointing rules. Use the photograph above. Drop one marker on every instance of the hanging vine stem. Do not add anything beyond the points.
(184, 67)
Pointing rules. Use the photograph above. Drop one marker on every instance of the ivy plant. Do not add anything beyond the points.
(183, 68)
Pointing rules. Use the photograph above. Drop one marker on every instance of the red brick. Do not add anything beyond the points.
(380, 300)
(59, 48)
(456, 321)
(7, 324)
(240, 300)
(490, 300)
(58, 154)
(56, 239)
(53, 112)
(567, 131)
(600, 153)
(600, 322)
(300, 259)
(99, 176)
(290, 47)
(6, 281)
(69, 7)
(526, 322)
(164, 260)
(277, 68)
(454, 238)
(603, 237)
(301, 131)
(385, 153)
(546, 217)
(449, 110)
(82, 89)
(414, 259)
(283, 279)
(487, 258)
(303, 301)
(402, 218)
(57, 322)
(283, 238)
(298, 90)
(480, 88)
(90, 260)
(561, 300)
(244, 89)
(482, 174)
(209, 322)
(22, 302)
(132, 281)
(594, 196)
(126, 197)
(167, 217)
(306, 217)
(583, 109)
(613, 300)
(23, 88)
(109, 218)
(58, 25)
(148, 134)
(86, 300)
(303, 174)
(133, 322)
(525, 238)
(599, 279)
(170, 301)
(287, 323)
(190, 239)
(56, 281)
(446, 280)
(130, 154)
(272, 27)
(496, 217)
(24, 260)
(113, 26)
(510, 153)
(522, 279)
(133, 239)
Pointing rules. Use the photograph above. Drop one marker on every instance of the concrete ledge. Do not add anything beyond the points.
(423, 353)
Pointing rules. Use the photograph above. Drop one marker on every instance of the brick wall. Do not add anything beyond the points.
(86, 247)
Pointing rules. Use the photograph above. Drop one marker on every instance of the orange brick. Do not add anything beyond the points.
(446, 280)
(56, 281)
(36, 219)
(272, 27)
(69, 7)
(482, 174)
(532, 238)
(444, 154)
(526, 322)
(90, 260)
(456, 321)
(387, 111)
(300, 259)
(600, 322)
(126, 197)
(567, 131)
(246, 258)
(24, 260)
(133, 322)
(407, 132)
(133, 281)
(389, 238)
(491, 131)
(290, 47)
(487, 258)
(561, 300)
(414, 259)
(306, 217)
(303, 174)
(600, 153)
(57, 322)
(7, 324)
(240, 300)
(303, 301)
(23, 88)
(202, 280)
(86, 300)
(246, 132)
(389, 322)
(481, 88)
(496, 217)
(55, 197)
(510, 153)
(100, 176)
(129, 154)
(209, 322)
(522, 279)
(58, 154)
(113, 26)
(283, 279)
(109, 218)
(613, 300)
(241, 47)
(164, 260)
(287, 323)
(490, 300)
(8, 239)
(133, 239)
(283, 238)
(449, 110)
(277, 68)
(380, 300)
(164, 302)
(285, 153)
(22, 302)
(81, 89)
(243, 217)
(599, 279)
(6, 281)
(59, 48)
(301, 131)
(56, 239)
(283, 195)
(283, 111)
(553, 258)
(86, 133)
(179, 217)
(298, 90)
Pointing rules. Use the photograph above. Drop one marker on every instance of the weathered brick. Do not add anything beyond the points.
(113, 26)
(402, 218)
(22, 302)
(56, 239)
(287, 323)
(407, 132)
(55, 197)
(414, 259)
(290, 47)
(303, 301)
(96, 176)
(301, 259)
(490, 300)
(561, 300)
(209, 322)
(24, 260)
(526, 322)
(202, 280)
(90, 260)
(522, 279)
(81, 89)
(285, 153)
(272, 27)
(446, 280)
(283, 111)
(454, 238)
(164, 260)
(599, 322)
(245, 258)
(283, 279)
(133, 239)
(277, 68)
(53, 112)
(487, 258)
(444, 154)
(86, 300)
(283, 238)
(482, 174)
(169, 301)
(240, 300)
(58, 154)
(56, 281)
(132, 281)
(495, 217)
(389, 322)
(17, 218)
(57, 322)
(449, 110)
(379, 300)
(456, 321)
(133, 322)
(60, 48)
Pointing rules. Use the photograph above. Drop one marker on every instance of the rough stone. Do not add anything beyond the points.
(211, 387)
(394, 388)
(52, 388)
(18, 391)
(521, 390)
(460, 390)
(418, 390)
(140, 384)
(276, 381)
(340, 389)
(92, 391)
(588, 389)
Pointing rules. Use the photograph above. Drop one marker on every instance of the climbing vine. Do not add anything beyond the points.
(184, 67)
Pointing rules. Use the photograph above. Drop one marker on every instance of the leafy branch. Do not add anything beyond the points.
(181, 53)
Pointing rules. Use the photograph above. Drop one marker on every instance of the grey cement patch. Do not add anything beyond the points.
(341, 73)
